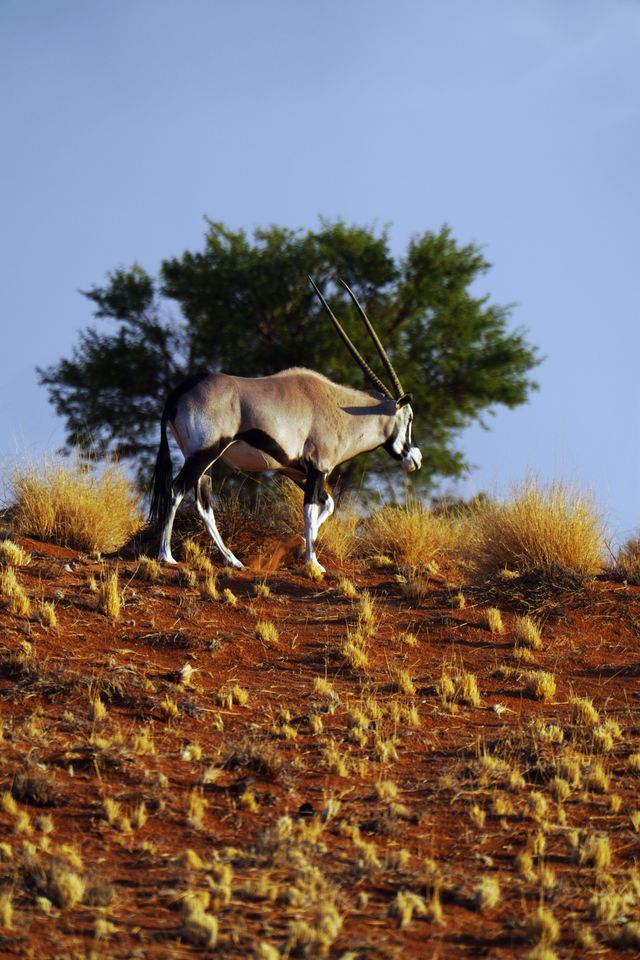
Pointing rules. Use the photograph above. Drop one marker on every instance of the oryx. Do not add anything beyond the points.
(296, 422)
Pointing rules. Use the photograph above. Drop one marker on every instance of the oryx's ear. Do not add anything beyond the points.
(404, 400)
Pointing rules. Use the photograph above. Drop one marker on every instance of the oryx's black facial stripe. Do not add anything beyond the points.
(388, 446)
(262, 441)
(406, 446)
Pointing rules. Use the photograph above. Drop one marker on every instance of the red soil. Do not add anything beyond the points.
(258, 762)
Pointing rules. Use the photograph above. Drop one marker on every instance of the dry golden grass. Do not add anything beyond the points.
(410, 534)
(526, 633)
(540, 529)
(13, 555)
(75, 504)
(493, 620)
(109, 596)
(267, 632)
(148, 568)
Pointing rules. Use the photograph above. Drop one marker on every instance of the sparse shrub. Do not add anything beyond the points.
(549, 530)
(191, 551)
(47, 614)
(19, 602)
(199, 928)
(209, 588)
(346, 589)
(540, 685)
(487, 893)
(6, 909)
(109, 596)
(9, 582)
(414, 585)
(410, 534)
(354, 650)
(627, 562)
(13, 592)
(526, 633)
(229, 597)
(63, 886)
(367, 617)
(97, 710)
(339, 534)
(267, 632)
(583, 712)
(148, 568)
(542, 926)
(493, 620)
(315, 939)
(76, 504)
(404, 906)
(187, 578)
(595, 852)
(559, 789)
(13, 555)
(460, 688)
(403, 682)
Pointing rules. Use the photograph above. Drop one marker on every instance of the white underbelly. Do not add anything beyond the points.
(241, 456)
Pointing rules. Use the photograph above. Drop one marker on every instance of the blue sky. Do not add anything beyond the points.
(518, 124)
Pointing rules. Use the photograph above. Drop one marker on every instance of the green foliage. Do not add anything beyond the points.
(246, 307)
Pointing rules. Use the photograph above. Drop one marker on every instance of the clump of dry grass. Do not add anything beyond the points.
(339, 534)
(75, 504)
(109, 596)
(493, 620)
(47, 613)
(540, 529)
(540, 685)
(13, 555)
(267, 632)
(148, 568)
(410, 534)
(18, 601)
(461, 687)
(526, 633)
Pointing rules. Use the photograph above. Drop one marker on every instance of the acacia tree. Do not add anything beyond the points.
(244, 305)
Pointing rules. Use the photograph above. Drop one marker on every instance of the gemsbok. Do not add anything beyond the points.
(296, 422)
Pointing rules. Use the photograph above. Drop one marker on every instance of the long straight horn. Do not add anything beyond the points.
(397, 386)
(377, 382)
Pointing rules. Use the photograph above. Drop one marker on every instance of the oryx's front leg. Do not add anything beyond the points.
(313, 517)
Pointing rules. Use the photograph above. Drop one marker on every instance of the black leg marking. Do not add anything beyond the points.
(313, 488)
(195, 465)
(263, 442)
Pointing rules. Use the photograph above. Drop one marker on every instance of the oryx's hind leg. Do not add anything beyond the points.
(204, 500)
(313, 516)
(189, 476)
(165, 540)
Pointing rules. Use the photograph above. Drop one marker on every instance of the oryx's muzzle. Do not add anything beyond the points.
(412, 461)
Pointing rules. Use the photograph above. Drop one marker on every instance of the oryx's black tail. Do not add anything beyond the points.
(162, 474)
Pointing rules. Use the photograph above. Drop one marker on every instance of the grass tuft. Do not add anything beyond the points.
(75, 504)
(410, 534)
(540, 529)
